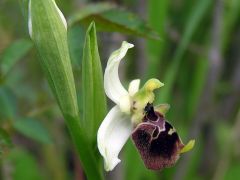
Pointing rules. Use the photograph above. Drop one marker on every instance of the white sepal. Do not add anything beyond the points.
(29, 19)
(113, 87)
(112, 135)
(133, 87)
(60, 14)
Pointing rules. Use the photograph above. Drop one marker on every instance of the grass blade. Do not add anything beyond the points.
(196, 16)
(157, 11)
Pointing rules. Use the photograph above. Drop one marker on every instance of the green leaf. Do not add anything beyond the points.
(11, 55)
(94, 100)
(111, 19)
(89, 10)
(32, 129)
(7, 104)
(76, 36)
(25, 165)
(49, 33)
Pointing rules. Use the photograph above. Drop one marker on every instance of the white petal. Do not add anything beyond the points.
(133, 87)
(112, 135)
(60, 14)
(125, 104)
(29, 19)
(113, 87)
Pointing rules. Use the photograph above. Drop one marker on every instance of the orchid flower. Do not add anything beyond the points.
(134, 115)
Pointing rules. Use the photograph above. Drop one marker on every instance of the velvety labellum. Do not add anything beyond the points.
(157, 141)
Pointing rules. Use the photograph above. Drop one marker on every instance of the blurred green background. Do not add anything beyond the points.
(197, 57)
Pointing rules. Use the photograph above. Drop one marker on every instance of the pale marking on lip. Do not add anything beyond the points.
(171, 131)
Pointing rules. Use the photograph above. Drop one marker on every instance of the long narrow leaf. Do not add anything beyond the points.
(50, 38)
(112, 19)
(33, 129)
(94, 101)
(47, 27)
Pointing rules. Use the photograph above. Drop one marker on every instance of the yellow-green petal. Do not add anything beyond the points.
(162, 108)
(188, 147)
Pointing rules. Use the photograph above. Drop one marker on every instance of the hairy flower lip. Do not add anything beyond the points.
(147, 123)
(156, 140)
(158, 149)
(156, 133)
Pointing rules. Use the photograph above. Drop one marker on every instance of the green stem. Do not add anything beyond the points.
(86, 154)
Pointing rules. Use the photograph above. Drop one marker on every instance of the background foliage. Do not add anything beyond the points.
(196, 57)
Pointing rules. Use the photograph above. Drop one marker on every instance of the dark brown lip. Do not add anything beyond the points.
(158, 148)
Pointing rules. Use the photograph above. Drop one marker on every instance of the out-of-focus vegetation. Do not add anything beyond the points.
(197, 58)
